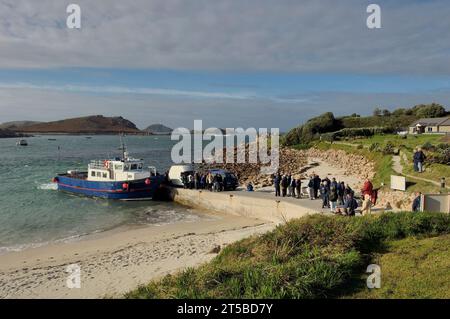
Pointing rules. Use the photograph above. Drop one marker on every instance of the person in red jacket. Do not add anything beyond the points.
(367, 188)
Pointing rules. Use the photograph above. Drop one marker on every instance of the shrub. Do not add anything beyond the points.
(389, 149)
(311, 129)
(374, 147)
(428, 146)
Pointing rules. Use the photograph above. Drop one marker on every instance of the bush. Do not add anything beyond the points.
(352, 133)
(428, 147)
(389, 149)
(374, 147)
(311, 130)
(311, 257)
(440, 156)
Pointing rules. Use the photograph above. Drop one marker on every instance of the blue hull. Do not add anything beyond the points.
(111, 190)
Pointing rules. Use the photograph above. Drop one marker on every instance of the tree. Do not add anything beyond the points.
(377, 112)
(399, 112)
(429, 110)
(386, 112)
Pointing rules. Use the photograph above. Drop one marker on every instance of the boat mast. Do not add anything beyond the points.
(123, 148)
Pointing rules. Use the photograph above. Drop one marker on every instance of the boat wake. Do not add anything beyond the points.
(48, 186)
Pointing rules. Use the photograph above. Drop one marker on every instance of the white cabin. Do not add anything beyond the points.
(127, 169)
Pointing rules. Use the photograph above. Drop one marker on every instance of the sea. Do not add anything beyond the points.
(33, 213)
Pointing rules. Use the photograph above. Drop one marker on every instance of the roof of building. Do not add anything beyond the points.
(446, 122)
(433, 121)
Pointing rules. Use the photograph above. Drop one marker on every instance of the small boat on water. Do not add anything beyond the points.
(22, 143)
(119, 178)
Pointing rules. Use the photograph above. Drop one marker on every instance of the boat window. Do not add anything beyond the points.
(105, 175)
(133, 167)
(140, 166)
(93, 173)
(127, 167)
(99, 174)
(118, 167)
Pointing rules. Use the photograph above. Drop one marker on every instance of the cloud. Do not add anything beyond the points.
(283, 35)
(128, 90)
(118, 90)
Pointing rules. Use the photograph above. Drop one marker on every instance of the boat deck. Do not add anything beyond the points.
(77, 175)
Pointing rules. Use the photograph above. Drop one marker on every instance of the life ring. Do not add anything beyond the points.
(106, 164)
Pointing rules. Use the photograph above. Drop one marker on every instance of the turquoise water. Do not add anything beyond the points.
(33, 213)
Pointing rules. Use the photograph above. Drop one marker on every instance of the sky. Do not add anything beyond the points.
(231, 63)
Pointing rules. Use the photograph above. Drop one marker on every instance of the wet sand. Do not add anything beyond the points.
(115, 262)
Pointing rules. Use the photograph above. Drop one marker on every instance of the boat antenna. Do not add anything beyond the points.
(123, 148)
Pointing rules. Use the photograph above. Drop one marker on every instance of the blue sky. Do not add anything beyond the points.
(231, 63)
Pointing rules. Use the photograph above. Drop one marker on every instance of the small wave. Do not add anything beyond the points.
(48, 186)
(65, 240)
(158, 217)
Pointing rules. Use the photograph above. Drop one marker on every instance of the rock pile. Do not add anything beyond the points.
(291, 162)
(352, 164)
(395, 200)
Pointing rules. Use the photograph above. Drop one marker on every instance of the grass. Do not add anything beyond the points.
(413, 268)
(312, 257)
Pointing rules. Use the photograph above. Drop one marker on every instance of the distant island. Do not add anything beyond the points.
(97, 124)
(11, 134)
(15, 125)
(158, 129)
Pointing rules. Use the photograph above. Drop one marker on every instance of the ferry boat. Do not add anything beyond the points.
(123, 178)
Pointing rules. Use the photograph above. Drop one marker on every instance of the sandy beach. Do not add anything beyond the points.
(117, 261)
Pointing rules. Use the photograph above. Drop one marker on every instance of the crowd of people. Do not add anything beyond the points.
(197, 180)
(338, 196)
(287, 185)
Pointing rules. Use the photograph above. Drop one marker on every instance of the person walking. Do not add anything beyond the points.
(420, 160)
(220, 182)
(298, 187)
(366, 207)
(276, 183)
(367, 188)
(311, 188)
(350, 205)
(284, 185)
(316, 185)
(324, 193)
(191, 181)
(340, 192)
(417, 202)
(209, 181)
(333, 197)
(202, 181)
(289, 189)
(216, 183)
(292, 187)
(415, 162)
